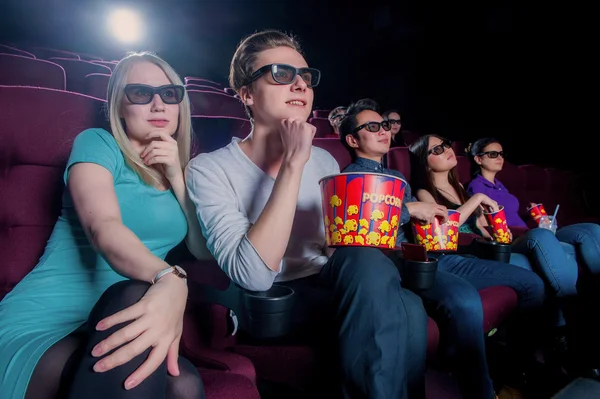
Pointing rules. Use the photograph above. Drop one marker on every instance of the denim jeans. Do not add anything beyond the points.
(585, 238)
(554, 261)
(454, 303)
(380, 327)
(551, 259)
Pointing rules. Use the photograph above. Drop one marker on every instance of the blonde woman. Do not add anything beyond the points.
(101, 314)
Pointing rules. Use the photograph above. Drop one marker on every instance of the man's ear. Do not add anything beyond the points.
(351, 141)
(246, 96)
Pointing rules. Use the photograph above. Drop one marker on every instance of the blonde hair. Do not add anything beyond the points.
(115, 93)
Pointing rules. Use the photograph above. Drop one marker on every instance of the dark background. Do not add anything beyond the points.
(460, 69)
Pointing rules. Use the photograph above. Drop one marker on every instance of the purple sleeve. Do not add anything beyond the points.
(476, 186)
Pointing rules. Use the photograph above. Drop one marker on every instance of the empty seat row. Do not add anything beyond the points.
(20, 70)
(46, 53)
(54, 73)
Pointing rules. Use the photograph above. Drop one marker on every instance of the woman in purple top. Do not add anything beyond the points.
(555, 256)
(487, 159)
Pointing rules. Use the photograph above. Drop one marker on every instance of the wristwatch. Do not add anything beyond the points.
(176, 270)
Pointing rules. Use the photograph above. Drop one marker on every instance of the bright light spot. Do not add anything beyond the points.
(125, 25)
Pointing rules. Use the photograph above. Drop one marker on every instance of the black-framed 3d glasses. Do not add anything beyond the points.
(143, 94)
(395, 122)
(374, 127)
(440, 148)
(492, 154)
(286, 74)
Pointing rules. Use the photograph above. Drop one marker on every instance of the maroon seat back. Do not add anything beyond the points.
(208, 103)
(77, 70)
(90, 57)
(204, 88)
(567, 189)
(109, 64)
(537, 186)
(408, 137)
(324, 129)
(18, 70)
(513, 179)
(192, 80)
(459, 147)
(212, 133)
(463, 168)
(335, 147)
(4, 49)
(321, 113)
(37, 129)
(96, 85)
(398, 158)
(47, 53)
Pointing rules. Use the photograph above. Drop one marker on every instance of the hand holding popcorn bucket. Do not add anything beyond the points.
(536, 211)
(362, 209)
(438, 236)
(497, 222)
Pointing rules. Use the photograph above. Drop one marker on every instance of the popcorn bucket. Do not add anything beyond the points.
(362, 209)
(536, 212)
(439, 236)
(497, 221)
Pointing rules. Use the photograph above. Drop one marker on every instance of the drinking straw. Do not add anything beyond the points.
(555, 212)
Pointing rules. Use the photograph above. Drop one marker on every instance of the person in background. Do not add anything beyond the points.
(335, 117)
(395, 120)
(454, 301)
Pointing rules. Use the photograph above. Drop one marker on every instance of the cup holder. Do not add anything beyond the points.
(417, 275)
(268, 313)
(491, 250)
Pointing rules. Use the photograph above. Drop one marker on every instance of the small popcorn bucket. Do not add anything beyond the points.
(439, 236)
(497, 221)
(536, 212)
(362, 209)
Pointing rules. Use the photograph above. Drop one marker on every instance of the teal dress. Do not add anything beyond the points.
(55, 298)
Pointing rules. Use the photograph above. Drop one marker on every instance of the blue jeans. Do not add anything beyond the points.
(585, 238)
(454, 303)
(380, 327)
(555, 261)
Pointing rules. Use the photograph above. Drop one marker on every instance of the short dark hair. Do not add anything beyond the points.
(349, 123)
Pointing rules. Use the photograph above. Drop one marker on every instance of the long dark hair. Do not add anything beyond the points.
(475, 149)
(421, 177)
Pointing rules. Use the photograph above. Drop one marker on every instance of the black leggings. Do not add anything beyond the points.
(66, 369)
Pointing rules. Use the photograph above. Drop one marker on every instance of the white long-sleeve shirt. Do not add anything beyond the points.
(230, 192)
